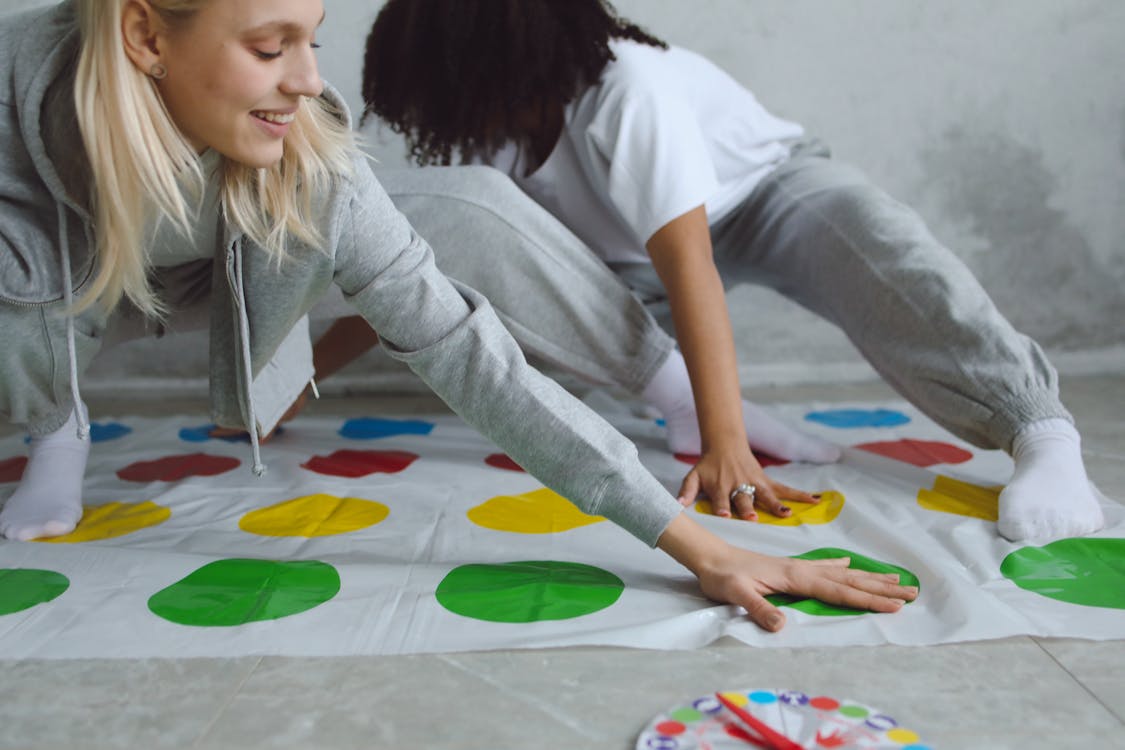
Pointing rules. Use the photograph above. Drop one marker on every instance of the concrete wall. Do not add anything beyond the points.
(1003, 123)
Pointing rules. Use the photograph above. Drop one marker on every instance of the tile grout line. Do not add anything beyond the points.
(1081, 683)
(218, 714)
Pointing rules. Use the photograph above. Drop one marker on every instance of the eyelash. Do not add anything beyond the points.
(274, 55)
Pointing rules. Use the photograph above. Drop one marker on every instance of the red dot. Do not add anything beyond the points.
(670, 728)
(360, 463)
(12, 469)
(501, 461)
(824, 704)
(764, 459)
(175, 468)
(919, 452)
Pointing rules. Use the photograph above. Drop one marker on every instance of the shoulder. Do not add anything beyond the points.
(32, 41)
(640, 87)
(643, 76)
(338, 151)
(358, 208)
(635, 68)
(36, 25)
(642, 67)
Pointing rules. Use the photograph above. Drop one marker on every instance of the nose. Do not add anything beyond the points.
(302, 78)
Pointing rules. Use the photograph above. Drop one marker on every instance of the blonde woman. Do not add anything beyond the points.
(146, 135)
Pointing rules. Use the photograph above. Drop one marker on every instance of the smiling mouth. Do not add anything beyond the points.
(277, 118)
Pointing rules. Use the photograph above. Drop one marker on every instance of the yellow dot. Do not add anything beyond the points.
(314, 515)
(738, 699)
(538, 512)
(902, 736)
(830, 505)
(962, 499)
(113, 520)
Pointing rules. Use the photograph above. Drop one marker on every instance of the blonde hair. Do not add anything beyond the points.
(142, 166)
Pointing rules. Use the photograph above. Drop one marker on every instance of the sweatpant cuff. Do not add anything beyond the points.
(656, 360)
(1012, 417)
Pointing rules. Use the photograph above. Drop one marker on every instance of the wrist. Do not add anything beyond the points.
(722, 434)
(725, 442)
(691, 545)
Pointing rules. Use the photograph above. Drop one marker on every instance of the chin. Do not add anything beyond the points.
(264, 163)
(259, 159)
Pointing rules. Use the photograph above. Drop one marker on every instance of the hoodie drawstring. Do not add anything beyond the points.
(247, 365)
(68, 297)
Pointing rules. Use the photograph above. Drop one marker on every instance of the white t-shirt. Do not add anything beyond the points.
(662, 132)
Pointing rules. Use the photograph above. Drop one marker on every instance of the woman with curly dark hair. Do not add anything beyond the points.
(685, 184)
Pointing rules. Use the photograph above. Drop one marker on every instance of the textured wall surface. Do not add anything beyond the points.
(1003, 123)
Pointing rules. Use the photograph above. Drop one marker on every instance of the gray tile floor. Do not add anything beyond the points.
(1026, 693)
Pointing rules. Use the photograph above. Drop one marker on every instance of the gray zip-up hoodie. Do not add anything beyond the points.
(449, 335)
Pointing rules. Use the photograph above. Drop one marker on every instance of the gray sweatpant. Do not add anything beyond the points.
(822, 234)
(559, 300)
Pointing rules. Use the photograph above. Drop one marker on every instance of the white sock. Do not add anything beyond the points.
(669, 392)
(1049, 495)
(48, 500)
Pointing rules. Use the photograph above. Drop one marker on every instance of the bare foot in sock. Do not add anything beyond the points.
(764, 432)
(1049, 496)
(48, 500)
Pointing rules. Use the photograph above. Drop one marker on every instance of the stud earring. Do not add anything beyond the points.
(158, 71)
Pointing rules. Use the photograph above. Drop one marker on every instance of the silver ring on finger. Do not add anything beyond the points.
(744, 489)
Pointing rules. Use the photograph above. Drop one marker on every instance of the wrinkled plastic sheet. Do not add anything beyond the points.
(408, 535)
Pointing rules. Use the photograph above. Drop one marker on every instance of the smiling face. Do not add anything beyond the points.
(237, 72)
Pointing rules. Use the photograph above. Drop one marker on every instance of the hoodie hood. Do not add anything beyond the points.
(40, 177)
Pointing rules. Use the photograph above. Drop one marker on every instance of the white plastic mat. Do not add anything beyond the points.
(442, 548)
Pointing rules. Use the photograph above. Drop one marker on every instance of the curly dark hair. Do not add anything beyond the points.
(452, 76)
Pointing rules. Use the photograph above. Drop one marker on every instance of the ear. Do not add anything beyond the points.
(142, 32)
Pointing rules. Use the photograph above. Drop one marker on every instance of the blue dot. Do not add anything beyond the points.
(661, 423)
(916, 747)
(100, 433)
(763, 697)
(199, 434)
(369, 428)
(202, 434)
(845, 419)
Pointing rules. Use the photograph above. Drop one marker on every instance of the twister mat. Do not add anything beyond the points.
(375, 535)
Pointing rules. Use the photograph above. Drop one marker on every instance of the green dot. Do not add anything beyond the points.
(233, 592)
(23, 588)
(854, 712)
(1090, 572)
(528, 591)
(859, 562)
(686, 715)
